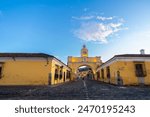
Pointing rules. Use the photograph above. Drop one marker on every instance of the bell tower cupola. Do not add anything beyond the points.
(84, 51)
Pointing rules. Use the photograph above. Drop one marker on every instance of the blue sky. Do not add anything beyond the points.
(61, 27)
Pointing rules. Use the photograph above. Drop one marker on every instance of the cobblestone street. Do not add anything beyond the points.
(76, 90)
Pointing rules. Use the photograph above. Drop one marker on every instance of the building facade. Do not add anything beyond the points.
(32, 69)
(127, 69)
(44, 69)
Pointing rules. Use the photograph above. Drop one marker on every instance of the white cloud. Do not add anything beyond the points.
(104, 18)
(115, 25)
(83, 17)
(122, 20)
(97, 28)
(98, 32)
(89, 17)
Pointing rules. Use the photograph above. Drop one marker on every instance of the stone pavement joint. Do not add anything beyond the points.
(86, 90)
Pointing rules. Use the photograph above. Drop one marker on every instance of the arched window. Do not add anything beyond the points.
(98, 75)
(108, 72)
(0, 72)
(60, 76)
(102, 72)
(1, 69)
(84, 59)
(56, 73)
(140, 70)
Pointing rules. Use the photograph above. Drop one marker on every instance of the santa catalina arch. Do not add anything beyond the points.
(84, 60)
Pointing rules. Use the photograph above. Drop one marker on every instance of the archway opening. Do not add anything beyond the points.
(85, 72)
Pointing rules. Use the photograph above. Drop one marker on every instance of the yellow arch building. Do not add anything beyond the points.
(84, 60)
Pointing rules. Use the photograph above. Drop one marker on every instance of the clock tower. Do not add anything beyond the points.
(84, 51)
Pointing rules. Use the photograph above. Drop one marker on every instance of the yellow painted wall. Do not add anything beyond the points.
(30, 72)
(127, 73)
(147, 78)
(56, 81)
(25, 73)
(87, 59)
